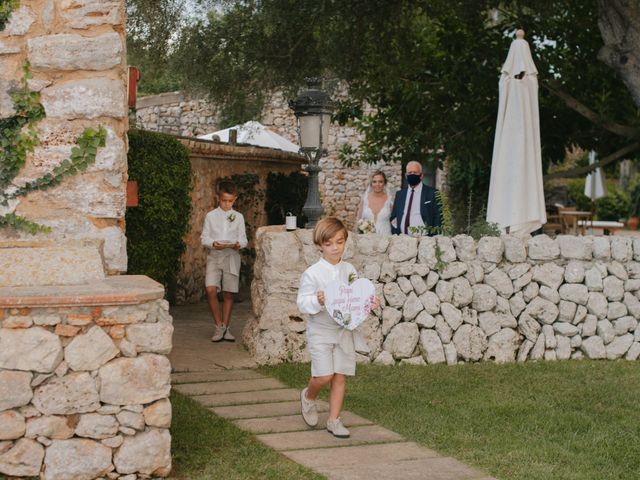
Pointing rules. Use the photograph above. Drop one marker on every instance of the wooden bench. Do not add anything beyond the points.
(601, 226)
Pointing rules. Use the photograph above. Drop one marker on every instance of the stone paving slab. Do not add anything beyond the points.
(371, 453)
(214, 376)
(295, 423)
(264, 409)
(322, 438)
(230, 386)
(445, 468)
(243, 398)
(362, 454)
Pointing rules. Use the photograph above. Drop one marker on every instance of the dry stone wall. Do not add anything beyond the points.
(76, 49)
(451, 300)
(84, 391)
(340, 187)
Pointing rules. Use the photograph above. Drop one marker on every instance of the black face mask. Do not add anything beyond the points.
(413, 179)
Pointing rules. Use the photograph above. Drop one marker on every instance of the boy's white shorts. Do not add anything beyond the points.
(329, 358)
(219, 274)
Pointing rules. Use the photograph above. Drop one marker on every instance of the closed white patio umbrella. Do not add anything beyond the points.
(516, 194)
(254, 133)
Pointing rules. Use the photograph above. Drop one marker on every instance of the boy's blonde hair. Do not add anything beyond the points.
(327, 228)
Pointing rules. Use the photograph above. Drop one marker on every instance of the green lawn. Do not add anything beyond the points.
(206, 446)
(548, 420)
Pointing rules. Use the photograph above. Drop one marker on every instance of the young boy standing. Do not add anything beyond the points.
(332, 348)
(223, 234)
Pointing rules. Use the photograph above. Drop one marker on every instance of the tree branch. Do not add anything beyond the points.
(581, 171)
(586, 112)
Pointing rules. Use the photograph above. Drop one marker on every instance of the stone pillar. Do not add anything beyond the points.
(76, 49)
(85, 379)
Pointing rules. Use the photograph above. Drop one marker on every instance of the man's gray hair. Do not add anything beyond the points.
(413, 162)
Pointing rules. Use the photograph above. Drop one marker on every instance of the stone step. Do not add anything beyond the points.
(214, 376)
(264, 410)
(230, 386)
(245, 398)
(322, 438)
(294, 423)
(444, 468)
(317, 458)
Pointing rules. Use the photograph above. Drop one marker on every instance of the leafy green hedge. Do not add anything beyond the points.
(285, 193)
(156, 228)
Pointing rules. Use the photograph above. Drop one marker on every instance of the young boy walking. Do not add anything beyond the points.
(223, 234)
(332, 348)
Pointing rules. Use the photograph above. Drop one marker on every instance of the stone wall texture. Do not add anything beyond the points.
(451, 300)
(77, 53)
(210, 162)
(340, 187)
(84, 391)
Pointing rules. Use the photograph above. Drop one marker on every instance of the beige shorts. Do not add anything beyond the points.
(329, 358)
(219, 274)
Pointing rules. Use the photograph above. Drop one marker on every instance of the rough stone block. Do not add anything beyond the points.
(541, 247)
(75, 52)
(15, 389)
(50, 263)
(28, 349)
(82, 14)
(24, 459)
(148, 453)
(90, 98)
(73, 393)
(20, 22)
(142, 379)
(76, 458)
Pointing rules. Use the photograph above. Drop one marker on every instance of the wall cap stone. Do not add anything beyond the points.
(116, 290)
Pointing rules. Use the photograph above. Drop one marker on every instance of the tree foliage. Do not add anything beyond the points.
(153, 27)
(428, 68)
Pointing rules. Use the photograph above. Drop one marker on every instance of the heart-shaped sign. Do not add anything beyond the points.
(349, 305)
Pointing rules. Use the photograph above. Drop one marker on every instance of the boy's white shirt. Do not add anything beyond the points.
(218, 227)
(321, 328)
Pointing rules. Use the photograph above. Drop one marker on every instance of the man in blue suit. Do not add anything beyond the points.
(415, 205)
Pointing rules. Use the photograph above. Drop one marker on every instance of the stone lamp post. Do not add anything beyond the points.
(313, 109)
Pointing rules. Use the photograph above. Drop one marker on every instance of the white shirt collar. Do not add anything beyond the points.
(330, 265)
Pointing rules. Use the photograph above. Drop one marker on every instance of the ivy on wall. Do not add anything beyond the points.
(18, 138)
(6, 7)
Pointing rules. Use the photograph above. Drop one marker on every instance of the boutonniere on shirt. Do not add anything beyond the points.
(231, 217)
(352, 278)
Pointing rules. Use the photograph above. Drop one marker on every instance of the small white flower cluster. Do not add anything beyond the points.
(231, 217)
(366, 226)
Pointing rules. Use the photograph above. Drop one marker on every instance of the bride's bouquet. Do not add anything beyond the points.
(366, 226)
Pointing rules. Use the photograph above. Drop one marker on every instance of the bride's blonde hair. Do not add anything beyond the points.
(376, 173)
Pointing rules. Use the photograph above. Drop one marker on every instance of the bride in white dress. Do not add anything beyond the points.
(376, 204)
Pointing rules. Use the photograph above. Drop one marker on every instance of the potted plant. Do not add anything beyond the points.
(634, 211)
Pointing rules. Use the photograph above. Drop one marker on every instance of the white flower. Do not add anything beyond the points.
(366, 226)
(231, 217)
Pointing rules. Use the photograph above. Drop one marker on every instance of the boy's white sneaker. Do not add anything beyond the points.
(227, 335)
(337, 428)
(218, 335)
(308, 408)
